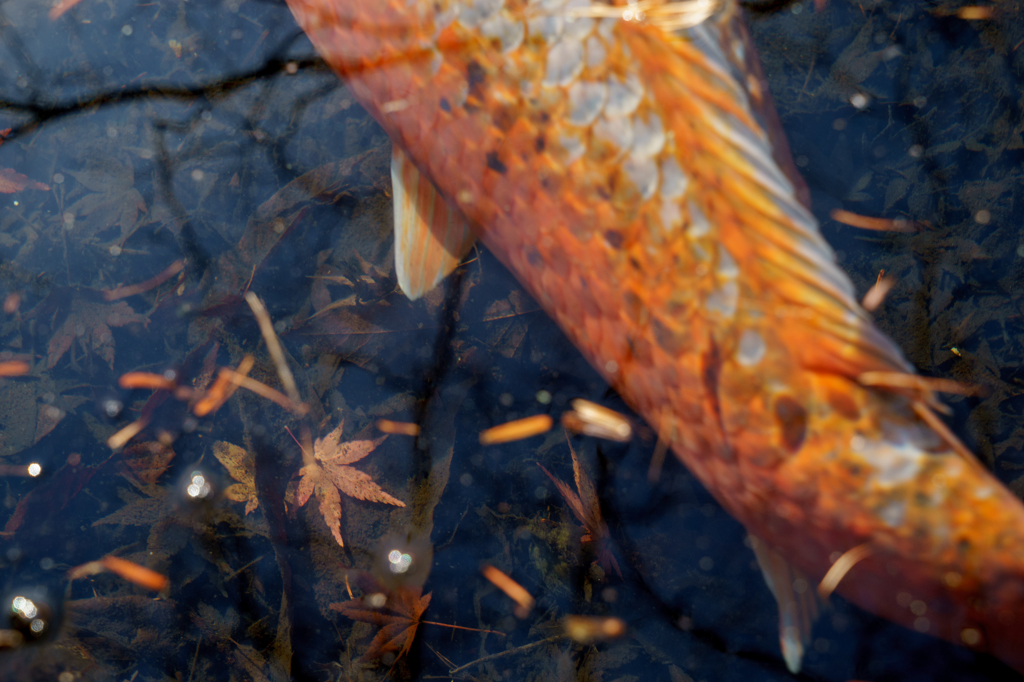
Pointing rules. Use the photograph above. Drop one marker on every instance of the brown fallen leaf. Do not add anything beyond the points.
(398, 613)
(47, 501)
(508, 321)
(146, 462)
(241, 464)
(11, 181)
(90, 321)
(149, 508)
(112, 201)
(398, 617)
(587, 509)
(258, 665)
(329, 474)
(353, 176)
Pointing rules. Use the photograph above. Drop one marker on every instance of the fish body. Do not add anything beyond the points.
(618, 163)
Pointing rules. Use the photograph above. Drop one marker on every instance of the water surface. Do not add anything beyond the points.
(210, 134)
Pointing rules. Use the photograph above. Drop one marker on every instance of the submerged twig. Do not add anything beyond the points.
(151, 283)
(509, 652)
(118, 440)
(276, 353)
(510, 587)
(516, 430)
(222, 389)
(261, 389)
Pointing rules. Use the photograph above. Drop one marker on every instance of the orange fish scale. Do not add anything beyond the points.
(731, 329)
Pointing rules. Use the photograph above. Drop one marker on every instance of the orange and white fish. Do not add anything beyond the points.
(615, 157)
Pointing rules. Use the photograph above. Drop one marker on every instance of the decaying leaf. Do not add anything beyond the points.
(274, 663)
(329, 474)
(135, 625)
(12, 181)
(113, 200)
(508, 324)
(146, 510)
(353, 176)
(147, 462)
(90, 321)
(252, 661)
(398, 618)
(31, 408)
(18, 414)
(587, 509)
(241, 464)
(47, 502)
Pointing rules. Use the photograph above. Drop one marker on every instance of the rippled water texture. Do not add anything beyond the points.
(200, 150)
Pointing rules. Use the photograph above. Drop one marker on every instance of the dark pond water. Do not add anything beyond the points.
(159, 140)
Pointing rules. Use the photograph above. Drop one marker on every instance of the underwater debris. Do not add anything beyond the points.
(587, 509)
(328, 474)
(527, 427)
(514, 590)
(591, 419)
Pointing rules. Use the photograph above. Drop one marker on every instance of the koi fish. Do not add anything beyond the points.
(620, 160)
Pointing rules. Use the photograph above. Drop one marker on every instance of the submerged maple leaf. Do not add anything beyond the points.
(88, 320)
(11, 181)
(587, 509)
(112, 201)
(398, 613)
(330, 473)
(398, 619)
(241, 464)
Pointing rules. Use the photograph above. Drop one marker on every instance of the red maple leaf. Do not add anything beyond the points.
(329, 475)
(398, 619)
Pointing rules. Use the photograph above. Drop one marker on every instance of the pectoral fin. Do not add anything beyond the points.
(798, 604)
(431, 237)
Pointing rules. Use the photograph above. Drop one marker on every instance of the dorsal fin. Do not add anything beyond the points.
(431, 237)
(745, 66)
(781, 255)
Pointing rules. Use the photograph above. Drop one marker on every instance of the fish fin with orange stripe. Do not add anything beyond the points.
(782, 258)
(431, 237)
(749, 74)
(798, 608)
